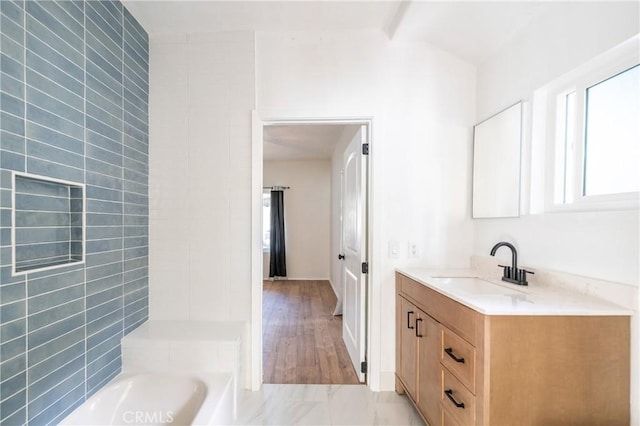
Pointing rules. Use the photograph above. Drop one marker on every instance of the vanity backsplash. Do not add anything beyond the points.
(621, 294)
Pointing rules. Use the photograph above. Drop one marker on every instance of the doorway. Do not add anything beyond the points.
(302, 340)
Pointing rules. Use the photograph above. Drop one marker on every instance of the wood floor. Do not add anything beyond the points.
(302, 340)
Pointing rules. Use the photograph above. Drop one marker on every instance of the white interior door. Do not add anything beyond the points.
(354, 232)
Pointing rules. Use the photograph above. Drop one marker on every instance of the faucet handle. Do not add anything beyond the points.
(506, 271)
(522, 276)
(524, 272)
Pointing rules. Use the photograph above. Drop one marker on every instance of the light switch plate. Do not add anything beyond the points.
(394, 249)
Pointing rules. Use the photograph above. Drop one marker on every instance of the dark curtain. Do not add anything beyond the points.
(278, 261)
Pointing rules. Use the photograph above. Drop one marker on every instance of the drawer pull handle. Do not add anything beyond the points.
(409, 320)
(449, 352)
(417, 332)
(449, 394)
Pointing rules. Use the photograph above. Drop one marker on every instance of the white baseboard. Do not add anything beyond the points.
(311, 279)
(333, 288)
(387, 381)
(300, 279)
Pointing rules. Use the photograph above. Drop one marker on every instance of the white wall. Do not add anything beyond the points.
(422, 103)
(201, 98)
(595, 244)
(307, 215)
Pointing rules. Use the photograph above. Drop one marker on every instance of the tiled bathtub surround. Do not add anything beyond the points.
(74, 89)
(187, 347)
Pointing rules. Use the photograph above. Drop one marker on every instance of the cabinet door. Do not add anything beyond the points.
(428, 367)
(406, 329)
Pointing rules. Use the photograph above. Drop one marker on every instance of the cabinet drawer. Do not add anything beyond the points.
(459, 356)
(457, 399)
(446, 418)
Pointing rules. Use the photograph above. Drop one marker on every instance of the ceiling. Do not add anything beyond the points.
(471, 30)
(188, 16)
(302, 141)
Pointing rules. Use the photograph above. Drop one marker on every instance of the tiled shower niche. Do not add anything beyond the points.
(48, 223)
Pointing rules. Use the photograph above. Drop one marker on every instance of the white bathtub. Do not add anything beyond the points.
(159, 399)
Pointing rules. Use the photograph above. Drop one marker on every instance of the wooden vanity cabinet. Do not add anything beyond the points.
(461, 367)
(418, 357)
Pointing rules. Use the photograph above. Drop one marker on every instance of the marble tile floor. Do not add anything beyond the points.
(324, 405)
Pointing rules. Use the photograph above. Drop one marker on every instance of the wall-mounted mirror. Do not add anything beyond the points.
(496, 164)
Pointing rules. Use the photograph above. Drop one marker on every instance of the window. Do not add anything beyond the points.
(612, 136)
(594, 116)
(266, 220)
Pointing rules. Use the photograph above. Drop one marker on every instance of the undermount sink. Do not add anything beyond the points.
(455, 273)
(477, 286)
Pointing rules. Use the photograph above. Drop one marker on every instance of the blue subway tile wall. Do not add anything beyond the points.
(74, 96)
(48, 229)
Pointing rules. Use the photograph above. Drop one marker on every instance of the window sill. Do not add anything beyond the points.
(595, 206)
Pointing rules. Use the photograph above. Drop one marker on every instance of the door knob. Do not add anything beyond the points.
(341, 257)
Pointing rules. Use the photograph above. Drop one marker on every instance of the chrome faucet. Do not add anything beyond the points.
(511, 273)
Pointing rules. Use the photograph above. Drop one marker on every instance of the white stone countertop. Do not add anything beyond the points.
(491, 296)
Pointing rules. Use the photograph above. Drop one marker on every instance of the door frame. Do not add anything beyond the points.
(253, 352)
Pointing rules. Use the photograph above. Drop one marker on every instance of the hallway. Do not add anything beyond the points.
(302, 340)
